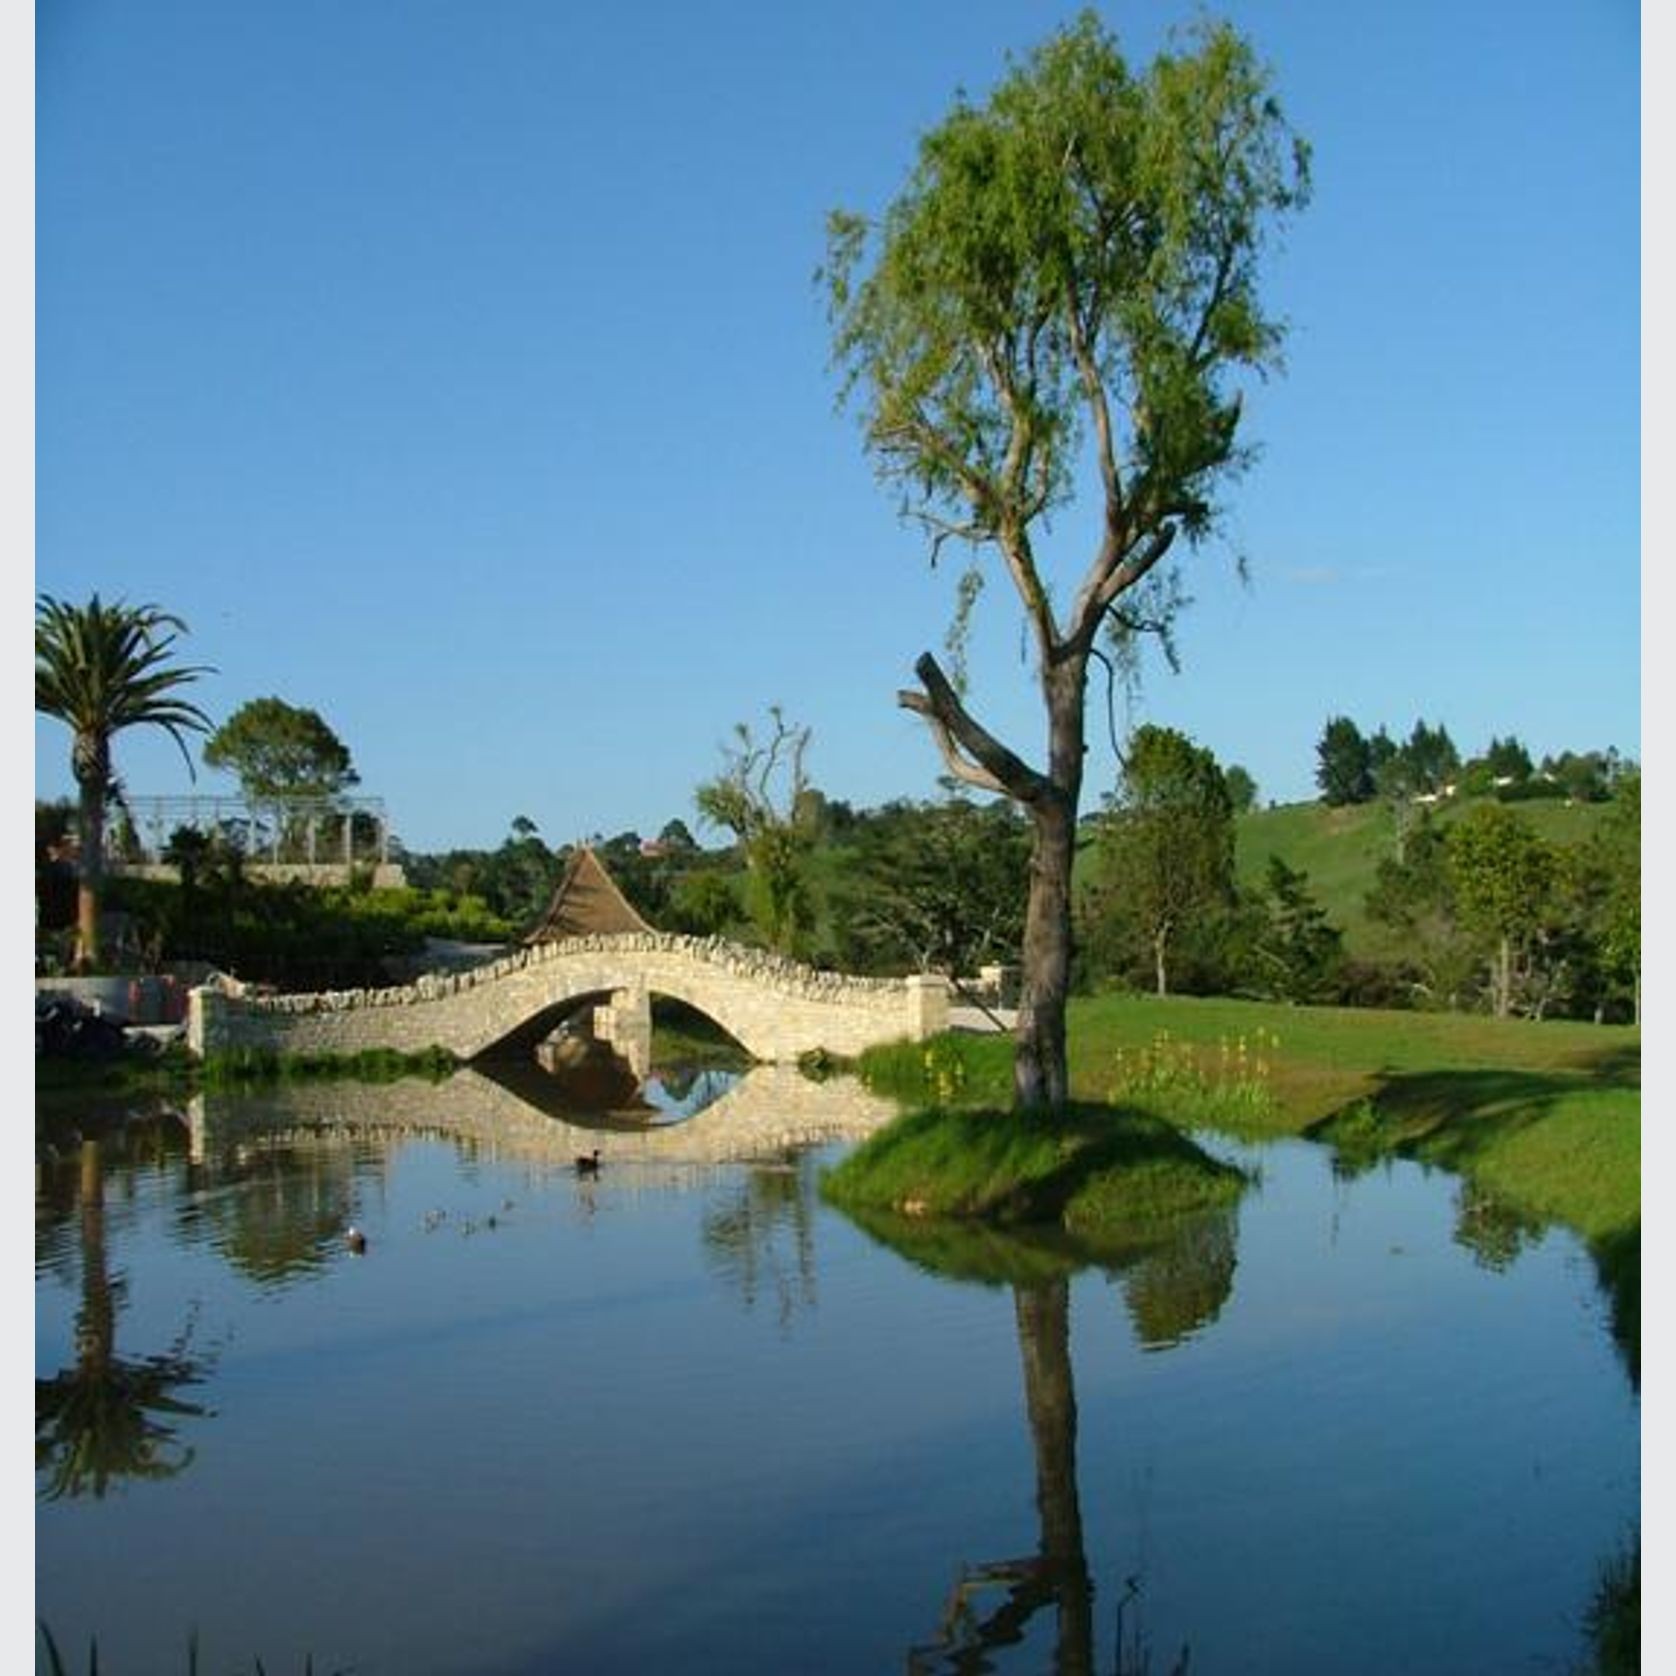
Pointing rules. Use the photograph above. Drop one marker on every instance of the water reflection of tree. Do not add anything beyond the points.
(1178, 1287)
(1494, 1232)
(1175, 1280)
(1057, 1573)
(109, 1418)
(279, 1211)
(760, 1238)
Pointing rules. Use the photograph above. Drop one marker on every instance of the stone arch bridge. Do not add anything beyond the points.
(774, 1008)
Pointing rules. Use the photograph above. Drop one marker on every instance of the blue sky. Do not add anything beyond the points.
(458, 371)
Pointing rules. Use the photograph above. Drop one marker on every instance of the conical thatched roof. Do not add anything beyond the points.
(586, 904)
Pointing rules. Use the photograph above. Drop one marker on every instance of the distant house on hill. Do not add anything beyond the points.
(587, 903)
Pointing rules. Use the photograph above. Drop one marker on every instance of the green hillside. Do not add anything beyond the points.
(1341, 849)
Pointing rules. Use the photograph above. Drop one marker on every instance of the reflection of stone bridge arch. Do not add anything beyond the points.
(776, 1009)
(769, 1110)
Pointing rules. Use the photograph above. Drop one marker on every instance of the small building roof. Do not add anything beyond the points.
(587, 903)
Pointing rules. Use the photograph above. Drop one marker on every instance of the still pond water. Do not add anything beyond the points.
(683, 1416)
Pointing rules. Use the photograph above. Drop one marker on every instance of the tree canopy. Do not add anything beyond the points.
(761, 797)
(1344, 766)
(279, 750)
(1502, 872)
(935, 887)
(1166, 848)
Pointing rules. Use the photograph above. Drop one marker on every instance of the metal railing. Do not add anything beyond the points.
(280, 831)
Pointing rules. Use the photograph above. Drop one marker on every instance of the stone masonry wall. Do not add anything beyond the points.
(775, 1008)
(772, 1108)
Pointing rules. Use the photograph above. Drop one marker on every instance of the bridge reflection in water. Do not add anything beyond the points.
(516, 1113)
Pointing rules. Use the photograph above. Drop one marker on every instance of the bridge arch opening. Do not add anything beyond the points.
(570, 1014)
(628, 1052)
(682, 1031)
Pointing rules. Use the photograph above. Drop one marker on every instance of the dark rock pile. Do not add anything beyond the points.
(66, 1028)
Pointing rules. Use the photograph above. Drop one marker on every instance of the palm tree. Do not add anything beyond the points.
(100, 668)
(110, 1417)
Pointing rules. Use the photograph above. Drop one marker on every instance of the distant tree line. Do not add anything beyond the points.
(1355, 768)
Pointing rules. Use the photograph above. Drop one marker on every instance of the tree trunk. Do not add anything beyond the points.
(1041, 1078)
(96, 1319)
(1040, 1074)
(1161, 980)
(1504, 977)
(90, 832)
(1044, 1336)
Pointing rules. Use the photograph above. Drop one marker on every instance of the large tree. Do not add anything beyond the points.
(1165, 856)
(935, 888)
(1433, 760)
(761, 797)
(1503, 873)
(279, 751)
(1617, 854)
(1344, 766)
(285, 757)
(1073, 262)
(99, 669)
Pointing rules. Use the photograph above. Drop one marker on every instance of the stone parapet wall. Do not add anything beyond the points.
(775, 1008)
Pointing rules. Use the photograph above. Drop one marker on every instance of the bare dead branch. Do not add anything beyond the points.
(972, 753)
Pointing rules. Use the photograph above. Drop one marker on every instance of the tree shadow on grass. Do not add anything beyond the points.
(1450, 1118)
(1617, 1067)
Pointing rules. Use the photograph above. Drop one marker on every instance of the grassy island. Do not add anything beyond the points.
(1086, 1169)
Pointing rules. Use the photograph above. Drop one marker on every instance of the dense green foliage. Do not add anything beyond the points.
(515, 882)
(1351, 768)
(1502, 879)
(1297, 954)
(1319, 909)
(278, 750)
(932, 887)
(1344, 765)
(1461, 902)
(1163, 864)
(293, 935)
